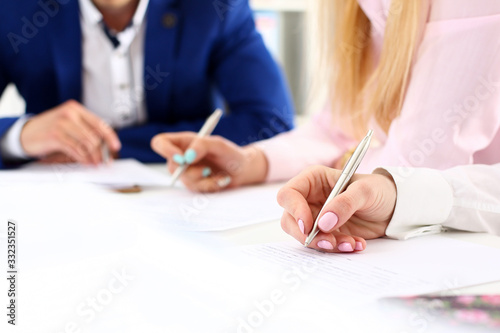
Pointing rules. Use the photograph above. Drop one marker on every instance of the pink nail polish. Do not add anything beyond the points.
(301, 226)
(345, 247)
(325, 245)
(359, 246)
(328, 221)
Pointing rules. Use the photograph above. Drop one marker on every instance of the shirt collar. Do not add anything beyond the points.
(91, 15)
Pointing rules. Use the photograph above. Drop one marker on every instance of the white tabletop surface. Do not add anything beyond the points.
(272, 232)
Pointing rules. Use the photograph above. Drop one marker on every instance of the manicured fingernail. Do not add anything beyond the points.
(224, 182)
(179, 159)
(345, 247)
(301, 226)
(359, 246)
(325, 245)
(190, 156)
(328, 221)
(206, 172)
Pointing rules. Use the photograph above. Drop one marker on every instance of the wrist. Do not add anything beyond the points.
(11, 145)
(391, 191)
(256, 165)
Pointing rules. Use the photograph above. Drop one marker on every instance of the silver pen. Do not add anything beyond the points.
(106, 155)
(344, 179)
(205, 130)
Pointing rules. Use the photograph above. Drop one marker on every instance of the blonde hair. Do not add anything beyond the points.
(358, 89)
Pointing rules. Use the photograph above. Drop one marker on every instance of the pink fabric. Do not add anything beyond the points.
(451, 113)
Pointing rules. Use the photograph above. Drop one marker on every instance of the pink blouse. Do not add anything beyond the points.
(451, 112)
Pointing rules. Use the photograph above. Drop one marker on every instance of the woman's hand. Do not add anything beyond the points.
(214, 162)
(361, 212)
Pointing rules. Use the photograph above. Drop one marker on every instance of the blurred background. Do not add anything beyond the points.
(282, 25)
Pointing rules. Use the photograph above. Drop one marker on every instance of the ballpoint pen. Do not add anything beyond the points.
(205, 130)
(106, 155)
(344, 179)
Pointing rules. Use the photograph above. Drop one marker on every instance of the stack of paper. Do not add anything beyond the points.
(120, 172)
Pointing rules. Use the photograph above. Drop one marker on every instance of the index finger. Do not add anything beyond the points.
(170, 144)
(295, 204)
(311, 187)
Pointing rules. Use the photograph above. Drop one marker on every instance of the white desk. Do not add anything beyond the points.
(272, 232)
(68, 264)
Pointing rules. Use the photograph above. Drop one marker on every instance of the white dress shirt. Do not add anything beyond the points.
(429, 201)
(112, 77)
(113, 85)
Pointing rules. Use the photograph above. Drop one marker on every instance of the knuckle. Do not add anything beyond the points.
(59, 124)
(159, 137)
(65, 113)
(218, 138)
(363, 188)
(346, 204)
(104, 126)
(53, 135)
(314, 169)
(282, 195)
(284, 224)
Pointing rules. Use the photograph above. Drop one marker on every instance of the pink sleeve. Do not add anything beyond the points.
(318, 142)
(451, 113)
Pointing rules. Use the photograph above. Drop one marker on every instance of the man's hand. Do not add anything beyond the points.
(69, 129)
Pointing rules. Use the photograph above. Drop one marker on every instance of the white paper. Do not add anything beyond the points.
(120, 172)
(86, 262)
(75, 240)
(388, 267)
(181, 209)
(171, 207)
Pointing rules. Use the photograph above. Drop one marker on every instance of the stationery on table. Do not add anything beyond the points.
(462, 311)
(119, 174)
(205, 130)
(344, 179)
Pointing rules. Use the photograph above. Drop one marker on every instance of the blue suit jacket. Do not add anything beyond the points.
(198, 53)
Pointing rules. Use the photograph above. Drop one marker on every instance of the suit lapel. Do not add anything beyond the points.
(66, 40)
(159, 58)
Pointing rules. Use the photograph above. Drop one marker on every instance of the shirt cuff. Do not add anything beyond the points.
(424, 202)
(10, 144)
